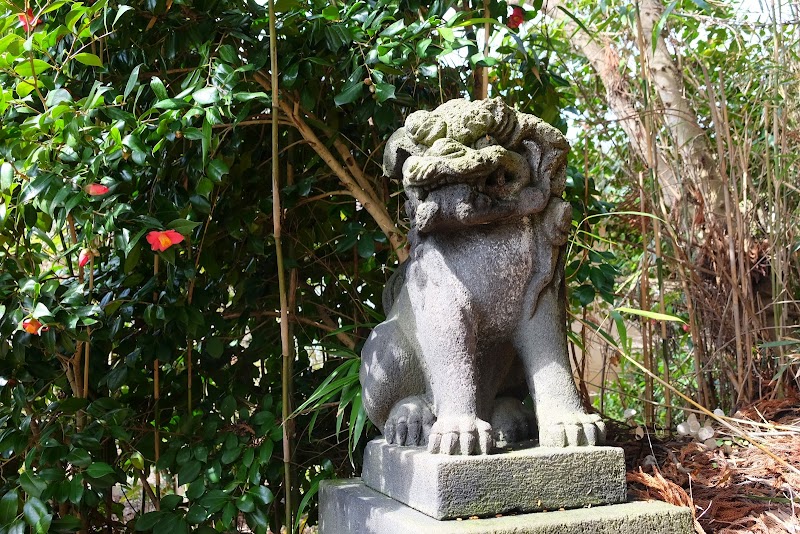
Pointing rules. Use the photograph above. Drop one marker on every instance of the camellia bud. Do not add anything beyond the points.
(96, 189)
(84, 257)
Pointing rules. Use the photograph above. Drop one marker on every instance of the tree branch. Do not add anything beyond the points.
(359, 188)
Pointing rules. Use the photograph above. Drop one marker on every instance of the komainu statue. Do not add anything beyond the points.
(477, 313)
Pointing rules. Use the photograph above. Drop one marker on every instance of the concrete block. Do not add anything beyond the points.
(526, 480)
(350, 507)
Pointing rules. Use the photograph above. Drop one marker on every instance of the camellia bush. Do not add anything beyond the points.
(143, 385)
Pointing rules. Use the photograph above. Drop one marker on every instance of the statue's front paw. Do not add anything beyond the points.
(462, 434)
(571, 429)
(409, 422)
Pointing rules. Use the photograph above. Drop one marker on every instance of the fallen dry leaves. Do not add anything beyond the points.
(736, 488)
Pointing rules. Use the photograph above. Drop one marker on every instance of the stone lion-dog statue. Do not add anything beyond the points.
(478, 311)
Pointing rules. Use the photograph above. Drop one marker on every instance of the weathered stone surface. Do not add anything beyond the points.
(350, 507)
(526, 480)
(476, 317)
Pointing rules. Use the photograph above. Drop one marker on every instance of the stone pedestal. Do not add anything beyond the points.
(350, 507)
(570, 490)
(524, 480)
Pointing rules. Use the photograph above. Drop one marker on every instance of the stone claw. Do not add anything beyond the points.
(409, 422)
(462, 435)
(573, 430)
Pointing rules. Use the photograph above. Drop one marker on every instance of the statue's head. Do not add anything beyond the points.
(476, 153)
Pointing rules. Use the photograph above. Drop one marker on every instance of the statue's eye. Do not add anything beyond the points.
(484, 141)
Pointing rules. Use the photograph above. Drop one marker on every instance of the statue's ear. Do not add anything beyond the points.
(398, 149)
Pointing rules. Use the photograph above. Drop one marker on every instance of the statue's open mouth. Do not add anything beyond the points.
(494, 171)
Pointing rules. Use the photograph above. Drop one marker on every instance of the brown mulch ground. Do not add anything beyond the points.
(735, 488)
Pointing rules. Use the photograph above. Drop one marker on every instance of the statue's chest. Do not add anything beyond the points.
(489, 267)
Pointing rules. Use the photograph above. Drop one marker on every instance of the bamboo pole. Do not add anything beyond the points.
(277, 216)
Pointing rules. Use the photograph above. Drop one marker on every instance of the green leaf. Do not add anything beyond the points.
(197, 514)
(394, 29)
(189, 472)
(385, 91)
(99, 470)
(228, 407)
(215, 500)
(661, 22)
(245, 503)
(26, 87)
(133, 80)
(149, 520)
(331, 12)
(281, 6)
(214, 347)
(651, 315)
(171, 501)
(349, 94)
(58, 96)
(76, 489)
(584, 293)
(36, 515)
(182, 226)
(33, 485)
(217, 168)
(9, 505)
(205, 141)
(196, 490)
(206, 96)
(262, 494)
(228, 513)
(249, 456)
(35, 187)
(158, 88)
(31, 67)
(137, 460)
(172, 103)
(231, 455)
(120, 11)
(446, 34)
(247, 97)
(89, 59)
(6, 177)
(139, 151)
(79, 457)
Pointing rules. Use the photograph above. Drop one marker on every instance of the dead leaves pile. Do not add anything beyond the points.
(736, 488)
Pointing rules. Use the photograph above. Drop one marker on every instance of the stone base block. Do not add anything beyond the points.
(525, 480)
(350, 507)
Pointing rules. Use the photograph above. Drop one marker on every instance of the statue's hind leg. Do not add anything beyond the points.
(393, 386)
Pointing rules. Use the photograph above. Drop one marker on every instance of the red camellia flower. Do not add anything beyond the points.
(34, 326)
(517, 17)
(162, 240)
(96, 189)
(27, 20)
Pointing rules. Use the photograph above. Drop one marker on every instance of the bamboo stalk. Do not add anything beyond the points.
(277, 217)
(662, 308)
(644, 304)
(156, 403)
